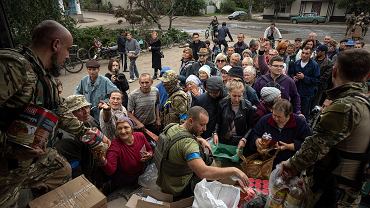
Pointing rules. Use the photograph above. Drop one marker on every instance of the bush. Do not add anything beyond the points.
(228, 6)
(190, 7)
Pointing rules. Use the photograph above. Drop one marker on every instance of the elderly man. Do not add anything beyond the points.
(143, 105)
(178, 102)
(194, 67)
(76, 152)
(182, 167)
(327, 40)
(34, 67)
(235, 59)
(109, 113)
(96, 88)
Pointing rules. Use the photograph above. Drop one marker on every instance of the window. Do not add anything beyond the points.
(284, 7)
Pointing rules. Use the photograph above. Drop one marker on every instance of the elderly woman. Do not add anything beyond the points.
(247, 53)
(193, 87)
(287, 131)
(235, 117)
(220, 62)
(269, 95)
(204, 73)
(249, 73)
(247, 61)
(126, 157)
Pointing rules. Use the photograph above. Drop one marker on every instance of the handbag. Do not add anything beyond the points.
(258, 165)
(162, 55)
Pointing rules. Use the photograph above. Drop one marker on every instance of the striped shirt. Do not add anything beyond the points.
(143, 105)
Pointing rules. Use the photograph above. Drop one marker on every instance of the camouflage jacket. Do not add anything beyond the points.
(23, 80)
(175, 108)
(343, 125)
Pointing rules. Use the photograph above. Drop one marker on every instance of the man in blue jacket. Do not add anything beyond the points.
(306, 74)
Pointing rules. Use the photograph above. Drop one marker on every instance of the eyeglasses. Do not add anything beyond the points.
(278, 66)
(221, 61)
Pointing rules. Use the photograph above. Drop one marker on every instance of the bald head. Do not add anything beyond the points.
(48, 31)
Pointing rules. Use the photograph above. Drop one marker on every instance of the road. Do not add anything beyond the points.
(252, 29)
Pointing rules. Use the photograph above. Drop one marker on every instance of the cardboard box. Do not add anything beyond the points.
(78, 193)
(163, 200)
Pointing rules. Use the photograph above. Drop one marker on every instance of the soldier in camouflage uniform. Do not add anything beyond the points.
(26, 77)
(177, 104)
(337, 154)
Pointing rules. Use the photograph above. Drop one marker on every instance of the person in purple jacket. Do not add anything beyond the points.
(284, 83)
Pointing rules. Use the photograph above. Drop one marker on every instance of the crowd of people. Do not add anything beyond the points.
(232, 96)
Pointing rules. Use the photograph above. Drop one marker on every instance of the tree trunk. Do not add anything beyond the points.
(250, 6)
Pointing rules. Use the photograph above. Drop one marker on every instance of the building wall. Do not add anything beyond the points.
(294, 10)
(324, 8)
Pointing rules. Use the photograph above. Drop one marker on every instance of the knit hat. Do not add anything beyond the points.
(206, 69)
(214, 83)
(194, 79)
(75, 102)
(236, 71)
(269, 94)
(122, 118)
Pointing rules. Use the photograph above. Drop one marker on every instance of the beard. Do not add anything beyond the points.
(55, 67)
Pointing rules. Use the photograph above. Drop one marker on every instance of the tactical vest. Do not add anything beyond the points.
(161, 154)
(169, 115)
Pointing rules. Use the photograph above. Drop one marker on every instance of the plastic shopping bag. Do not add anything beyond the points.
(149, 177)
(215, 195)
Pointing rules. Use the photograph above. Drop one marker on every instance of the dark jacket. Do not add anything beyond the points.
(326, 67)
(210, 104)
(195, 47)
(185, 65)
(121, 41)
(122, 85)
(194, 68)
(307, 87)
(262, 110)
(240, 47)
(156, 54)
(243, 121)
(287, 87)
(295, 131)
(251, 95)
(223, 32)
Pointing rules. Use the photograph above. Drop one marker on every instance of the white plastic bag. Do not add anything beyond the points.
(149, 177)
(215, 195)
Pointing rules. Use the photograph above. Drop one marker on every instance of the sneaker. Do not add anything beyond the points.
(131, 80)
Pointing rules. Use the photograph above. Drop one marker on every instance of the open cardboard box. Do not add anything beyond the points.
(77, 193)
(137, 201)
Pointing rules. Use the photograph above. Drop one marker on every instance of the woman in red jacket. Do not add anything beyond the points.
(126, 157)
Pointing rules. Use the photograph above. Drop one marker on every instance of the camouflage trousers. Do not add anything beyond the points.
(45, 174)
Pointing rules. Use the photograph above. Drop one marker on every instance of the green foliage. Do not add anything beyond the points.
(24, 18)
(228, 6)
(356, 6)
(189, 7)
(96, 5)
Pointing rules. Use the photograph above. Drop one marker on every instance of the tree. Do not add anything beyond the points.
(24, 18)
(356, 6)
(277, 5)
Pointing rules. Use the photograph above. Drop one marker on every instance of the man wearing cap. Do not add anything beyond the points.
(326, 67)
(77, 153)
(209, 101)
(284, 83)
(95, 88)
(178, 102)
(194, 67)
(249, 93)
(350, 44)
